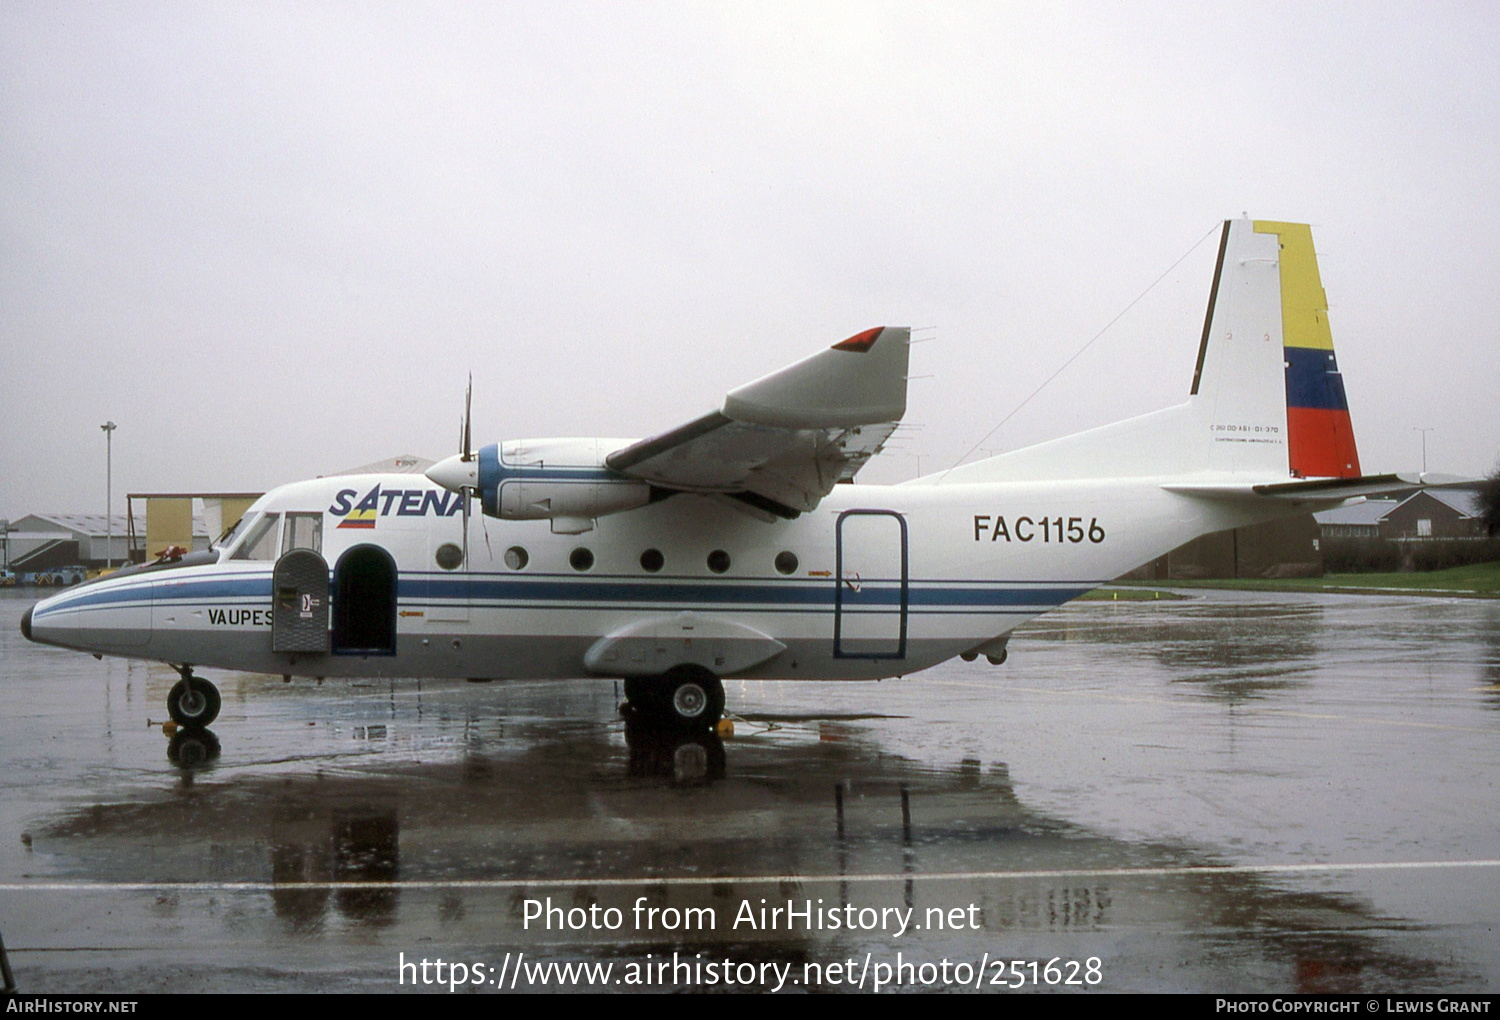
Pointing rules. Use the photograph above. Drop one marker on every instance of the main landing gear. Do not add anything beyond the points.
(684, 698)
(193, 702)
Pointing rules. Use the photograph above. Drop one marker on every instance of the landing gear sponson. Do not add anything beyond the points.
(192, 702)
(684, 697)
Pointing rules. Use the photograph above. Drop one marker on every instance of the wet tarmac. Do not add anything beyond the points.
(1231, 793)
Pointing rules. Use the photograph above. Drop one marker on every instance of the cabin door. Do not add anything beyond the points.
(364, 602)
(870, 598)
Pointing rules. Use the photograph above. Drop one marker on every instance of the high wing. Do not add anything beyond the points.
(781, 443)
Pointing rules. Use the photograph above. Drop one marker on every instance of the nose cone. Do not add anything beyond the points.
(109, 616)
(455, 474)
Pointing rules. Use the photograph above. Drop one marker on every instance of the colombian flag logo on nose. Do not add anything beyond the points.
(358, 519)
(363, 514)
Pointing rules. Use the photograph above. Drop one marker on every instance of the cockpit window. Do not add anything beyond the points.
(259, 542)
(302, 531)
(233, 532)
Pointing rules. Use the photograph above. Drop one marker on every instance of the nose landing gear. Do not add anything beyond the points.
(193, 701)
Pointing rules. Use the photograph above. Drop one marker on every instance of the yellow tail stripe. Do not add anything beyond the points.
(1304, 306)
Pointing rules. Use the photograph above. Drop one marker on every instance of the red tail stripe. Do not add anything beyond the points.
(1321, 443)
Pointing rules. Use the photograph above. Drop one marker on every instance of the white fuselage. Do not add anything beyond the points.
(880, 580)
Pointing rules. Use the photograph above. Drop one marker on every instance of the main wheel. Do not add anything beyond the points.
(645, 694)
(194, 702)
(695, 698)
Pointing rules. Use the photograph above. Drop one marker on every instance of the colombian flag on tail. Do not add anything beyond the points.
(1320, 438)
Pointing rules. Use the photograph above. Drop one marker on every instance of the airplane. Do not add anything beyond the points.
(731, 545)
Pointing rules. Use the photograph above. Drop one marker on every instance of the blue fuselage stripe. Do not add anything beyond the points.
(565, 592)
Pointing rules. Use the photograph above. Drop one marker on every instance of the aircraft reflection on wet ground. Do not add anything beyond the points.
(1131, 789)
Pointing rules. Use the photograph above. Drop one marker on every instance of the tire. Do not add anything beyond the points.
(645, 694)
(193, 702)
(694, 698)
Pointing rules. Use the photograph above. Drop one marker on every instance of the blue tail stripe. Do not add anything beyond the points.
(1313, 380)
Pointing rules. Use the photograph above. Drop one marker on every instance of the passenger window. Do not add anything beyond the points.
(302, 531)
(260, 541)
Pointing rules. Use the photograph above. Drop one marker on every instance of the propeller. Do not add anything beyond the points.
(460, 473)
(466, 454)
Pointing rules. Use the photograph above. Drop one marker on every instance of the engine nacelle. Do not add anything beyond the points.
(561, 480)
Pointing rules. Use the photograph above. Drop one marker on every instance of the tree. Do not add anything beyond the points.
(1489, 501)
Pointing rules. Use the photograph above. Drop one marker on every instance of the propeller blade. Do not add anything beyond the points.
(463, 494)
(466, 493)
(468, 450)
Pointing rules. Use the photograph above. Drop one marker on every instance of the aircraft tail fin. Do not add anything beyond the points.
(1267, 400)
(1267, 380)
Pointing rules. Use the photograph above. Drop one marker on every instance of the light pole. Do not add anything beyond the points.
(1418, 428)
(109, 494)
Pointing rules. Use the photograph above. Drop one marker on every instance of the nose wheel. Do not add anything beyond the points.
(193, 701)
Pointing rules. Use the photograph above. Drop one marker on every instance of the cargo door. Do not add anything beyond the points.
(870, 600)
(299, 610)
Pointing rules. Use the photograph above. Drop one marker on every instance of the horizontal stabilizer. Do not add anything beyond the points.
(1320, 490)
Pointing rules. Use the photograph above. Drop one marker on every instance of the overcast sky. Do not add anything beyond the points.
(271, 240)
